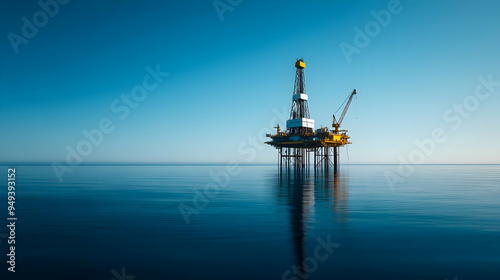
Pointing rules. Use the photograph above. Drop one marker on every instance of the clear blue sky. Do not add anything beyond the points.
(226, 77)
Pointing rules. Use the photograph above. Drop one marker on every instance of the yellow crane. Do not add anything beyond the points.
(336, 124)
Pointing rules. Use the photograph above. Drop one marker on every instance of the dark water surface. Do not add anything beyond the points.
(116, 221)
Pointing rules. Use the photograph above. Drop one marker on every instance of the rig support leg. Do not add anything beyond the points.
(280, 159)
(335, 159)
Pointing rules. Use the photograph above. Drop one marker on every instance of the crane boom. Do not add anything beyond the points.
(336, 123)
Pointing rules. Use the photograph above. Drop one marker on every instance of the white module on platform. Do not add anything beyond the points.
(299, 96)
(303, 122)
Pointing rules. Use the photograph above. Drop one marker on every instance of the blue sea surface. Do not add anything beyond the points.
(203, 222)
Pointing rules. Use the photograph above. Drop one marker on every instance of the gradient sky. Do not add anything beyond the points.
(227, 77)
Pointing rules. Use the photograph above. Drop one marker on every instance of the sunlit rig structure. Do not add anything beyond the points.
(296, 144)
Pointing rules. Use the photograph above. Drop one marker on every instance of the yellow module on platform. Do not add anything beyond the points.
(320, 138)
(299, 139)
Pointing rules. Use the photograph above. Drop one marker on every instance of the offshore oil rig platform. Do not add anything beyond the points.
(296, 144)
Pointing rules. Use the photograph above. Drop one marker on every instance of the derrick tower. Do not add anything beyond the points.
(300, 121)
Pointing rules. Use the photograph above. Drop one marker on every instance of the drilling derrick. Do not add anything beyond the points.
(300, 122)
(296, 144)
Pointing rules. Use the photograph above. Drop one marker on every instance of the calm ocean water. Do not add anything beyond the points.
(121, 221)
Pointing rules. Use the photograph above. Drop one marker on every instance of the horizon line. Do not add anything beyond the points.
(46, 163)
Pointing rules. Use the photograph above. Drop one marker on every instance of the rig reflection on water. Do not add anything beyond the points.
(301, 191)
